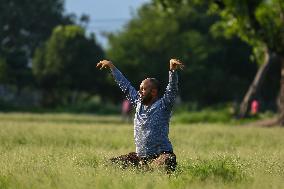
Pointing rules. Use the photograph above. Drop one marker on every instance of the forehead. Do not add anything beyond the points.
(145, 82)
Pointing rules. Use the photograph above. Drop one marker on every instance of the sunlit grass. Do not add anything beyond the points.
(71, 151)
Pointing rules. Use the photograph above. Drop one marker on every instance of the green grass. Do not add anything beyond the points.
(221, 114)
(71, 151)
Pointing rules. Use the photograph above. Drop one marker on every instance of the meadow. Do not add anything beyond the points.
(44, 151)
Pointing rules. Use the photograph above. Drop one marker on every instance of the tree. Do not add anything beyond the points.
(24, 25)
(3, 70)
(67, 63)
(260, 23)
(211, 71)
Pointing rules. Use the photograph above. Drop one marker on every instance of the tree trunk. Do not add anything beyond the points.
(281, 94)
(74, 97)
(254, 87)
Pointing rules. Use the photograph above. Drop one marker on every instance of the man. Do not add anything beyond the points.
(151, 122)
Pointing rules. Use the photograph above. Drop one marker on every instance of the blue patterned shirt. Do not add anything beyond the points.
(151, 123)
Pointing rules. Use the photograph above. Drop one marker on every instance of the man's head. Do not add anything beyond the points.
(149, 90)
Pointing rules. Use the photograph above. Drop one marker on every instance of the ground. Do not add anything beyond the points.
(71, 151)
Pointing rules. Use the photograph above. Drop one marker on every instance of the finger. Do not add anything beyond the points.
(103, 66)
(180, 62)
(173, 60)
(177, 61)
(98, 65)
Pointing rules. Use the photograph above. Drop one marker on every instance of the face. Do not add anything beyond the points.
(146, 91)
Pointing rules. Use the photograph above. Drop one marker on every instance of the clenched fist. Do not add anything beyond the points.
(176, 64)
(105, 64)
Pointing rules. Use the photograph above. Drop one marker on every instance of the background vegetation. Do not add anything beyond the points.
(48, 61)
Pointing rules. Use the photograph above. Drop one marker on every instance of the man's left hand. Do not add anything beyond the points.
(176, 64)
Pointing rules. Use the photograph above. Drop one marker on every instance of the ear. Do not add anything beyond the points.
(154, 92)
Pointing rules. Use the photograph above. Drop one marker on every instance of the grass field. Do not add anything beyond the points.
(70, 151)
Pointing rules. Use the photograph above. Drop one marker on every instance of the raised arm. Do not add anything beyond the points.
(126, 87)
(172, 87)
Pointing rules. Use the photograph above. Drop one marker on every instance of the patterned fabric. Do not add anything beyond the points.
(151, 123)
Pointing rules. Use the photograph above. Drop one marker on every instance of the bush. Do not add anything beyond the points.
(215, 114)
(192, 114)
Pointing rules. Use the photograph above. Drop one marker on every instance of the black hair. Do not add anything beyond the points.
(155, 84)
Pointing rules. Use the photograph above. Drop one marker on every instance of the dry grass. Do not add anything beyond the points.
(70, 151)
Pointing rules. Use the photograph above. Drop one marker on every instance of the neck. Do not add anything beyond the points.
(151, 101)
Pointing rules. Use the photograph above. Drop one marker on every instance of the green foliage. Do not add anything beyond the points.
(204, 116)
(259, 23)
(68, 63)
(222, 114)
(25, 25)
(213, 65)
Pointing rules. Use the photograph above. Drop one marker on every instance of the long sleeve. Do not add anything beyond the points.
(151, 123)
(126, 87)
(171, 90)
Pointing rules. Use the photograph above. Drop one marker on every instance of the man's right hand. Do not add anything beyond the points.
(105, 64)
